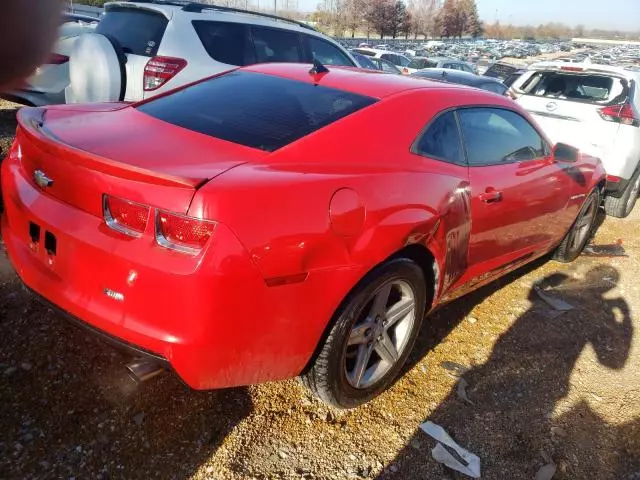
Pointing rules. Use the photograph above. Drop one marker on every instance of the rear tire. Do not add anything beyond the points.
(382, 314)
(581, 230)
(623, 206)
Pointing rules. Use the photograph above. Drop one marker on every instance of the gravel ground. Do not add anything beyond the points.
(546, 387)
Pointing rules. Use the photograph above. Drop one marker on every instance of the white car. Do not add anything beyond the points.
(396, 58)
(142, 49)
(47, 84)
(595, 108)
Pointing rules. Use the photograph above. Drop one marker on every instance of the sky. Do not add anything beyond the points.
(607, 14)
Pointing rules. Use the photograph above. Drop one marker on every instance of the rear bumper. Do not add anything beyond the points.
(212, 317)
(117, 343)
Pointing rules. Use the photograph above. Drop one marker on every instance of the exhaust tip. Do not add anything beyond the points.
(142, 370)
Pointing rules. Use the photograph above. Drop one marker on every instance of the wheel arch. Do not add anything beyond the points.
(419, 254)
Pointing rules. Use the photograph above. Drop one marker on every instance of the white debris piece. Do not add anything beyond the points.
(471, 465)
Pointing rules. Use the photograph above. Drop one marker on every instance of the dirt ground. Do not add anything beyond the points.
(546, 386)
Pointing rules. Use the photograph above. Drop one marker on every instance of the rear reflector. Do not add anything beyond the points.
(57, 59)
(125, 216)
(182, 233)
(623, 114)
(159, 70)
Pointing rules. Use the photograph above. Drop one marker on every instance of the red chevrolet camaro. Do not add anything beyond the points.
(253, 227)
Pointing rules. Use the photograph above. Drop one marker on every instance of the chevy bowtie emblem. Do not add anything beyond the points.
(41, 179)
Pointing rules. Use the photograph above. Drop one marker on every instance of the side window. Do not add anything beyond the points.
(493, 136)
(225, 42)
(326, 53)
(274, 45)
(387, 56)
(387, 67)
(466, 68)
(441, 140)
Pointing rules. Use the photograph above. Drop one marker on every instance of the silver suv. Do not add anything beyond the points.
(141, 49)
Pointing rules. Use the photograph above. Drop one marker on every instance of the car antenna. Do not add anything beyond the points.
(318, 68)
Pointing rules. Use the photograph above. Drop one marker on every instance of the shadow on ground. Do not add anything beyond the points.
(68, 410)
(516, 391)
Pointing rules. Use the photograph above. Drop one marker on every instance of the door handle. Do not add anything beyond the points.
(491, 196)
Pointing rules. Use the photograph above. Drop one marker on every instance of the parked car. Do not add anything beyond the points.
(505, 72)
(596, 108)
(396, 58)
(143, 49)
(385, 66)
(47, 84)
(363, 61)
(462, 78)
(244, 241)
(438, 62)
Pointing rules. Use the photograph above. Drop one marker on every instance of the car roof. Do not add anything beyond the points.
(169, 10)
(369, 83)
(587, 68)
(447, 74)
(379, 51)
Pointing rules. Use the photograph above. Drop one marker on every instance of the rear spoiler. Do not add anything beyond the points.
(31, 121)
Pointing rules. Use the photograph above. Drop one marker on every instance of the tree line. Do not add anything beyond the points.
(395, 18)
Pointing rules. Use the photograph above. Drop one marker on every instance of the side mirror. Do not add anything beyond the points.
(565, 153)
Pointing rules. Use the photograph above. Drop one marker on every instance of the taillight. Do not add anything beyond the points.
(624, 114)
(57, 59)
(567, 68)
(159, 70)
(405, 71)
(182, 233)
(125, 216)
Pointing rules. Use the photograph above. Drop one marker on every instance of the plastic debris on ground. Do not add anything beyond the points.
(449, 453)
(554, 302)
(461, 390)
(547, 472)
(456, 369)
(605, 251)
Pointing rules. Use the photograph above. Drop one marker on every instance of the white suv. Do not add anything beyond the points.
(595, 108)
(144, 48)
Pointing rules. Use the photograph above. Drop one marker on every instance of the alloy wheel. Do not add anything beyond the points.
(380, 334)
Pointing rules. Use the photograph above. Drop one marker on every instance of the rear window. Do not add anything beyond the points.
(589, 88)
(500, 70)
(137, 31)
(255, 110)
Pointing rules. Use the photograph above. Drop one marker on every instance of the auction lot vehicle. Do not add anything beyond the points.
(143, 49)
(245, 228)
(593, 107)
(463, 78)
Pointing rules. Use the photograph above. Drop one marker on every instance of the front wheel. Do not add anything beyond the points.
(581, 230)
(374, 332)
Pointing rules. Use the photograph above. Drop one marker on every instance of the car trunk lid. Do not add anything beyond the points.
(87, 154)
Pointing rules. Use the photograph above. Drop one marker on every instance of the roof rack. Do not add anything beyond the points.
(196, 7)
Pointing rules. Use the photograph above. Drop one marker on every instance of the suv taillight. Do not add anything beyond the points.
(159, 70)
(125, 216)
(624, 114)
(182, 233)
